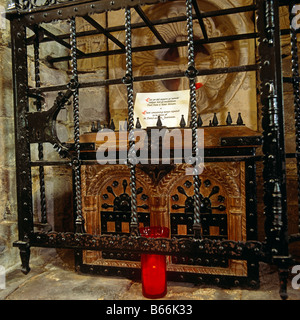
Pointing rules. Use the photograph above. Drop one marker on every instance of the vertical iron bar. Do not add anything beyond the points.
(274, 171)
(22, 145)
(296, 91)
(191, 74)
(251, 218)
(128, 80)
(79, 222)
(39, 108)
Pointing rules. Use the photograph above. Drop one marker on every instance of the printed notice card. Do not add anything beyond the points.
(170, 106)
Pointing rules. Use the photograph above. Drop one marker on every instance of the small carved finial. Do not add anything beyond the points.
(228, 119)
(138, 124)
(239, 120)
(93, 128)
(215, 121)
(112, 125)
(182, 122)
(159, 123)
(199, 121)
(99, 127)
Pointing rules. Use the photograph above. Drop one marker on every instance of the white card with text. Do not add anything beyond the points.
(170, 106)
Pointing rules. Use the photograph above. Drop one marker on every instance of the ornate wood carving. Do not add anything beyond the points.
(223, 181)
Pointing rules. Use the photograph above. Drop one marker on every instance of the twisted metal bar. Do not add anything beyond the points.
(79, 222)
(39, 108)
(191, 74)
(296, 91)
(128, 80)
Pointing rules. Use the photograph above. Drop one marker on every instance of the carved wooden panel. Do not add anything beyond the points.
(167, 202)
(106, 206)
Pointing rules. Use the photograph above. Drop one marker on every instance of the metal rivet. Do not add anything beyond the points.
(253, 283)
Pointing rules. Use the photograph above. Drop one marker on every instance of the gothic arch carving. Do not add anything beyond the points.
(225, 177)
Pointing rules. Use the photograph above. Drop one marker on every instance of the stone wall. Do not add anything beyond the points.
(8, 207)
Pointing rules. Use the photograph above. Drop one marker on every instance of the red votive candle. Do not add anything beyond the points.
(154, 280)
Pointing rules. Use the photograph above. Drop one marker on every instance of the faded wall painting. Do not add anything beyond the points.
(221, 93)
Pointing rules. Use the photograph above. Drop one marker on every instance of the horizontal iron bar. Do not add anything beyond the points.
(208, 153)
(49, 163)
(287, 2)
(239, 250)
(90, 162)
(154, 23)
(237, 37)
(173, 75)
(68, 9)
(241, 141)
(178, 276)
(290, 79)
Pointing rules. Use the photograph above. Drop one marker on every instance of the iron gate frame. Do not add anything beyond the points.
(28, 14)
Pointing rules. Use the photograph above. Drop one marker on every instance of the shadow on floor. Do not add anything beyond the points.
(52, 277)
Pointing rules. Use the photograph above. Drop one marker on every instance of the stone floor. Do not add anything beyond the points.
(52, 277)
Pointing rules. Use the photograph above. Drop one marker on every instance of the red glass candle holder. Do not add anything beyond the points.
(154, 280)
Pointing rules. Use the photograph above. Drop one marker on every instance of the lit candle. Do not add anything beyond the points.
(154, 281)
